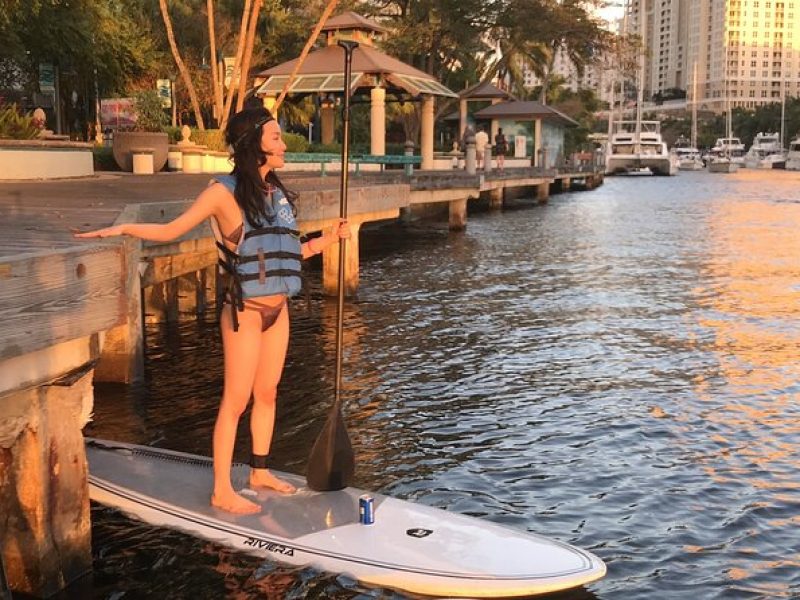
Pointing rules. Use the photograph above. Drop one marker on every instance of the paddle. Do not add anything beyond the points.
(331, 464)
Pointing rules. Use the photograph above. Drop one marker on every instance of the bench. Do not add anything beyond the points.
(388, 159)
(323, 158)
(357, 159)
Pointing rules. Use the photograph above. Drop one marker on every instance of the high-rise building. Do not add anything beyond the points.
(747, 51)
(596, 76)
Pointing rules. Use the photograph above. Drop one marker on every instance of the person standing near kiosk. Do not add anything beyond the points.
(500, 148)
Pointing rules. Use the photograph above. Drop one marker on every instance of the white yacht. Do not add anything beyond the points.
(766, 152)
(793, 156)
(686, 155)
(720, 163)
(731, 147)
(637, 149)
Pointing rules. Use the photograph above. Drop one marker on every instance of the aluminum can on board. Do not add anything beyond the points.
(366, 509)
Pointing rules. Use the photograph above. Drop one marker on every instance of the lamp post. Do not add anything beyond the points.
(172, 79)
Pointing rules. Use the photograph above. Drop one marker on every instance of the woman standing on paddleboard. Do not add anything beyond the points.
(252, 215)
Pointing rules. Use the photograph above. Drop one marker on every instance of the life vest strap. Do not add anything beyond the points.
(270, 273)
(227, 251)
(267, 255)
(272, 230)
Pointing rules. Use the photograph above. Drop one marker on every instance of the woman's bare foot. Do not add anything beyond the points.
(234, 503)
(264, 479)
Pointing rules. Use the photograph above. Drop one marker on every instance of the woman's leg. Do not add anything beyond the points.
(241, 351)
(274, 342)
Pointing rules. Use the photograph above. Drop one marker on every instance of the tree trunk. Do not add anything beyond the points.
(236, 65)
(187, 81)
(248, 54)
(216, 76)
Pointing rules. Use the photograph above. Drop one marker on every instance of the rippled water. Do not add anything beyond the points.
(618, 369)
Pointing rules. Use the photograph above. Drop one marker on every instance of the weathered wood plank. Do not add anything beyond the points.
(161, 268)
(54, 296)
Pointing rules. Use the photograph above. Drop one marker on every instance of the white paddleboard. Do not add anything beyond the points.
(409, 547)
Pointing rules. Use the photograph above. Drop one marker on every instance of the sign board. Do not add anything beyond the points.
(164, 88)
(47, 77)
(117, 113)
(520, 143)
(229, 62)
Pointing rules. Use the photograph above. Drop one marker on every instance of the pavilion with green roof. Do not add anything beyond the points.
(372, 71)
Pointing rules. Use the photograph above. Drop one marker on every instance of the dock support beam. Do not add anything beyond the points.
(122, 358)
(543, 191)
(330, 265)
(496, 198)
(44, 495)
(458, 214)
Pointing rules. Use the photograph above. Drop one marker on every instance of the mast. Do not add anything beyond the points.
(640, 82)
(783, 111)
(728, 118)
(618, 79)
(694, 106)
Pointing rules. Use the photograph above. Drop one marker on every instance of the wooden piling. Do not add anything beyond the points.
(44, 496)
(458, 214)
(330, 265)
(496, 198)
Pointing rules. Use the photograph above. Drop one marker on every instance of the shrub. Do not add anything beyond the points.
(334, 148)
(16, 126)
(104, 159)
(174, 134)
(213, 139)
(150, 115)
(295, 142)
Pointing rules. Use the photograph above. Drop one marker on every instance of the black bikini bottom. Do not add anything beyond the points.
(269, 314)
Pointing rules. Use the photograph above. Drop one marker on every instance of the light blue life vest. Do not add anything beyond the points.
(267, 258)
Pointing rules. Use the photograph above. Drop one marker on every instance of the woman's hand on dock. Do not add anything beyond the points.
(112, 231)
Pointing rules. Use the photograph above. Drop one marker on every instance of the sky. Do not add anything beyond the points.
(614, 11)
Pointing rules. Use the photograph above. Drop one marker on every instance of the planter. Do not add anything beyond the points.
(125, 141)
(40, 159)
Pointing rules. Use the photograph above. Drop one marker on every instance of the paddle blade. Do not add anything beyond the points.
(331, 464)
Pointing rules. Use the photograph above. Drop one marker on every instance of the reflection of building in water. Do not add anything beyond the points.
(748, 416)
(755, 315)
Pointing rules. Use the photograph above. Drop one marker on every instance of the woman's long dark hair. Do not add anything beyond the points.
(243, 136)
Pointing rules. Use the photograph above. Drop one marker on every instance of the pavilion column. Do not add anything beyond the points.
(377, 121)
(536, 159)
(462, 117)
(426, 133)
(327, 119)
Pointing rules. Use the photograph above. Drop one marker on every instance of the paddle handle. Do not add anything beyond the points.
(348, 47)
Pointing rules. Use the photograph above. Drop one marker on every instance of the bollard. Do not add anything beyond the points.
(409, 167)
(174, 159)
(142, 161)
(192, 160)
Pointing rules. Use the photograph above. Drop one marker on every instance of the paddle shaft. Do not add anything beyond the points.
(348, 46)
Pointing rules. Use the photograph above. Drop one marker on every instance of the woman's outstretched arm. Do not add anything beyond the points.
(202, 208)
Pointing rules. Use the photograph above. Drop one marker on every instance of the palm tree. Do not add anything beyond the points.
(187, 81)
(216, 76)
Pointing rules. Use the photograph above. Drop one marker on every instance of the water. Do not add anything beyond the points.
(618, 369)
